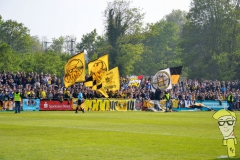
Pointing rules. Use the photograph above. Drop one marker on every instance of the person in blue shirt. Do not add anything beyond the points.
(10, 94)
(80, 101)
(223, 89)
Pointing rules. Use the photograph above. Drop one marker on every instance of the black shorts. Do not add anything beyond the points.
(79, 102)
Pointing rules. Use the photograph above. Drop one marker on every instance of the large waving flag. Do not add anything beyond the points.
(96, 70)
(98, 64)
(110, 82)
(164, 79)
(175, 74)
(75, 70)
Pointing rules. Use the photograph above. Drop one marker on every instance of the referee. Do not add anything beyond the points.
(80, 100)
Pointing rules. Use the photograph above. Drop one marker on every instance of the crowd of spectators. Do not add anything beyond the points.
(49, 86)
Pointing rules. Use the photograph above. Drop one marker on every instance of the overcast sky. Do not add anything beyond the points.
(55, 18)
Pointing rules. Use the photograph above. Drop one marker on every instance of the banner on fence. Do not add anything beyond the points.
(47, 105)
(31, 104)
(8, 105)
(100, 104)
(109, 104)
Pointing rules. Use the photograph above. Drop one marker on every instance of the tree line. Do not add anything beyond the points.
(204, 40)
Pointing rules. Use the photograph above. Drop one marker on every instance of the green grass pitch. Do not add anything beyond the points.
(110, 135)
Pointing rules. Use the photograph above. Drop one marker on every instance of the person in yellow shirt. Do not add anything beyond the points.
(226, 122)
(28, 93)
(43, 94)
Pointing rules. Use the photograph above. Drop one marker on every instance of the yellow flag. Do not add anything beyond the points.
(75, 70)
(99, 64)
(175, 74)
(110, 81)
(97, 69)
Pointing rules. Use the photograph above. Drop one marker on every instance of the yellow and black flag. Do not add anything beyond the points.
(75, 70)
(165, 78)
(99, 64)
(175, 74)
(96, 69)
(110, 82)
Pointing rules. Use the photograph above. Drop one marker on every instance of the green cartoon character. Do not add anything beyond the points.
(226, 122)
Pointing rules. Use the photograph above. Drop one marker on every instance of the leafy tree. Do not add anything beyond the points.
(37, 46)
(8, 58)
(210, 33)
(88, 44)
(121, 19)
(28, 62)
(129, 50)
(49, 62)
(57, 44)
(178, 17)
(161, 47)
(19, 54)
(16, 35)
(94, 45)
